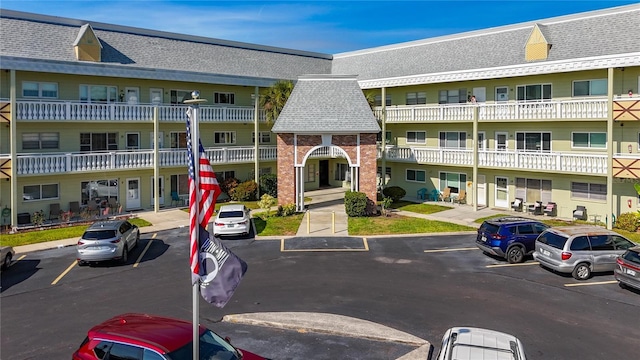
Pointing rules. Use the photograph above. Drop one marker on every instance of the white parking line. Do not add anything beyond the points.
(508, 265)
(447, 250)
(593, 283)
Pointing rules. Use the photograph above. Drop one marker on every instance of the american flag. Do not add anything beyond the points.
(199, 212)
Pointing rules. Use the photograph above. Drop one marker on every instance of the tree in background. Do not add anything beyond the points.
(274, 98)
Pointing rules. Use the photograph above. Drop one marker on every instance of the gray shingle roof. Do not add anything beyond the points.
(39, 37)
(591, 34)
(326, 104)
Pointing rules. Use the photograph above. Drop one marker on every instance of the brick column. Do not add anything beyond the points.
(286, 171)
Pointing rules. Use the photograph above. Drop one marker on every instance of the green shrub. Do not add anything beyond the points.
(394, 192)
(269, 184)
(228, 185)
(355, 203)
(385, 204)
(266, 202)
(246, 191)
(286, 210)
(627, 221)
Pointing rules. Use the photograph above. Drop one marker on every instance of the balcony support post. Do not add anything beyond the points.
(383, 148)
(610, 144)
(474, 193)
(256, 143)
(156, 160)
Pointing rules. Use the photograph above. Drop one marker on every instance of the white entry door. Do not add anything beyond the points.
(502, 192)
(133, 194)
(160, 191)
(480, 93)
(482, 190)
(132, 95)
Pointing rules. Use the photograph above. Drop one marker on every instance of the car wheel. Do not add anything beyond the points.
(125, 255)
(82, 263)
(582, 271)
(515, 254)
(135, 244)
(622, 285)
(6, 262)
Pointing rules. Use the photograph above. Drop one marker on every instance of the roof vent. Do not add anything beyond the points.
(87, 45)
(538, 45)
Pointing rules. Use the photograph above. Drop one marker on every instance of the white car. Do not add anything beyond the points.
(232, 220)
(6, 254)
(468, 343)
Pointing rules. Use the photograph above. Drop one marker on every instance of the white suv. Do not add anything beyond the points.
(469, 343)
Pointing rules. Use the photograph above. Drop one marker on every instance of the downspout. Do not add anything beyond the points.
(610, 146)
(13, 145)
(476, 112)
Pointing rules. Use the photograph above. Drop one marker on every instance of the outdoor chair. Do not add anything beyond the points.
(92, 208)
(446, 194)
(74, 209)
(462, 197)
(551, 209)
(516, 205)
(580, 213)
(422, 194)
(536, 208)
(176, 199)
(113, 205)
(435, 195)
(54, 211)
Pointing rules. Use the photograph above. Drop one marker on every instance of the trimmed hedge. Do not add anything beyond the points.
(246, 191)
(355, 204)
(394, 192)
(269, 184)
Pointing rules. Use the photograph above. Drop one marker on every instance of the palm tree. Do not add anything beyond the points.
(371, 98)
(274, 98)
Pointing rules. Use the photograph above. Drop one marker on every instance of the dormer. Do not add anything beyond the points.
(538, 45)
(87, 46)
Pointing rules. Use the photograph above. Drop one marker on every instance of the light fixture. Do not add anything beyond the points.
(630, 148)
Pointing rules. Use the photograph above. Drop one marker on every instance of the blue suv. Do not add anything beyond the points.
(510, 238)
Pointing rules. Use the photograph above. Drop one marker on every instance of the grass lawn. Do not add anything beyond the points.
(418, 208)
(397, 224)
(277, 225)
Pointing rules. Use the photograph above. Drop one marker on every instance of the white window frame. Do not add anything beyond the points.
(264, 171)
(462, 181)
(388, 137)
(416, 98)
(111, 141)
(415, 137)
(310, 174)
(42, 139)
(524, 188)
(41, 91)
(482, 141)
(265, 137)
(343, 172)
(224, 137)
(542, 142)
(590, 81)
(589, 145)
(589, 193)
(460, 143)
(128, 146)
(156, 96)
(112, 93)
(415, 175)
(506, 140)
(449, 96)
(178, 138)
(498, 98)
(377, 100)
(542, 87)
(224, 98)
(39, 196)
(177, 93)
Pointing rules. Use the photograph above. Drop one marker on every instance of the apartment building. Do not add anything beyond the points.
(545, 111)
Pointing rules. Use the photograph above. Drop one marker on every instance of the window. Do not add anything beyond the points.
(180, 183)
(453, 181)
(452, 96)
(482, 141)
(533, 141)
(415, 98)
(531, 190)
(179, 96)
(265, 171)
(265, 137)
(133, 141)
(416, 137)
(155, 95)
(601, 243)
(222, 175)
(589, 140)
(125, 352)
(40, 192)
(502, 94)
(40, 141)
(310, 174)
(342, 172)
(224, 98)
(99, 189)
(178, 140)
(378, 100)
(536, 92)
(596, 87)
(98, 141)
(224, 137)
(580, 243)
(98, 93)
(40, 90)
(388, 137)
(453, 140)
(588, 191)
(416, 175)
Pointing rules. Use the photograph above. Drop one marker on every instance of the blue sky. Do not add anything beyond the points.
(321, 26)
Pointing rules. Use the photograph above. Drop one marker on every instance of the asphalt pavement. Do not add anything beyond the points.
(325, 218)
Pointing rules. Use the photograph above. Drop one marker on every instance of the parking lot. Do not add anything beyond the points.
(417, 285)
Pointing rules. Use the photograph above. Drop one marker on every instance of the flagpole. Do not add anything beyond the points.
(194, 103)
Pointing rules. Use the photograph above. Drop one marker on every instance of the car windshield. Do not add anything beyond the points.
(212, 347)
(489, 228)
(99, 235)
(231, 214)
(632, 256)
(552, 240)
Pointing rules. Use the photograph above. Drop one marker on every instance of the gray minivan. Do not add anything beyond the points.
(580, 250)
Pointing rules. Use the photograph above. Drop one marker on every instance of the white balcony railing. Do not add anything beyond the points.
(41, 164)
(511, 111)
(29, 110)
(537, 161)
